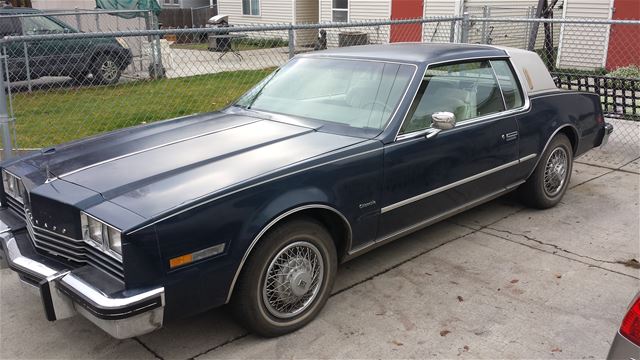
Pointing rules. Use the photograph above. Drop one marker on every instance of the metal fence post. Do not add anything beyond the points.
(291, 42)
(464, 33)
(485, 11)
(78, 19)
(27, 65)
(452, 31)
(97, 22)
(5, 119)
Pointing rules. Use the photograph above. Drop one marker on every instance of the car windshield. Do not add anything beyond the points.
(356, 93)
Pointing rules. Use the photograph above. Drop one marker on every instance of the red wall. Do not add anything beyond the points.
(624, 40)
(406, 9)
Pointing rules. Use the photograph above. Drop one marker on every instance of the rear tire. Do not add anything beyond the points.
(287, 279)
(550, 179)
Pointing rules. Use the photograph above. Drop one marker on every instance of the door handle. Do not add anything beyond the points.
(510, 136)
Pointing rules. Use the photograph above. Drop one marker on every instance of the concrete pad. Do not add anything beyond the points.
(597, 222)
(26, 334)
(623, 146)
(476, 297)
(584, 172)
(633, 166)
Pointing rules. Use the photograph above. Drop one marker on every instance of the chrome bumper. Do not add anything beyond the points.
(608, 129)
(65, 292)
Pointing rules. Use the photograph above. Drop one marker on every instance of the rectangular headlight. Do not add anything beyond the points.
(102, 236)
(12, 185)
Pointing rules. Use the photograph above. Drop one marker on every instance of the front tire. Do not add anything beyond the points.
(287, 279)
(550, 179)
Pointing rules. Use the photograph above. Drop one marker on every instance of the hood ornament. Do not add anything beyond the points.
(46, 153)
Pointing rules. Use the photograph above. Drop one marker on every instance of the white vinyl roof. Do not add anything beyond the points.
(532, 71)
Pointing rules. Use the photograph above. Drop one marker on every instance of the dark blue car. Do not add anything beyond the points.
(332, 155)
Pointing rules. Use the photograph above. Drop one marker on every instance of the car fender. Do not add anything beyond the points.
(286, 205)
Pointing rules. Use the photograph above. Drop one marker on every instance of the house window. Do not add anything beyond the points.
(251, 7)
(340, 10)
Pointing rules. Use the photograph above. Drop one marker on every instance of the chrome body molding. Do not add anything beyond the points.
(275, 221)
(455, 184)
(415, 227)
(65, 294)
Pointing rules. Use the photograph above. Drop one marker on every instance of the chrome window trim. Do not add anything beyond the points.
(275, 221)
(454, 184)
(495, 76)
(524, 108)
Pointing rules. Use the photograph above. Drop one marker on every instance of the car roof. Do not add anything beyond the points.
(20, 10)
(412, 52)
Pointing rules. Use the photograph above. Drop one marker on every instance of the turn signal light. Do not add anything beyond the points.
(195, 256)
(180, 260)
(630, 327)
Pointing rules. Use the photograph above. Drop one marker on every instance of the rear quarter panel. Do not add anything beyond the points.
(555, 111)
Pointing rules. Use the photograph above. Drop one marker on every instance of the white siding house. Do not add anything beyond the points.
(584, 46)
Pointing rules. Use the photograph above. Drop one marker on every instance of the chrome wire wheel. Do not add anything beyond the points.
(293, 280)
(109, 70)
(555, 171)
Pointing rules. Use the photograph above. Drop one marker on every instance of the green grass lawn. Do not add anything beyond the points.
(45, 118)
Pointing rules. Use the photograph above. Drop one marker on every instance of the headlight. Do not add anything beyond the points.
(122, 42)
(100, 235)
(12, 186)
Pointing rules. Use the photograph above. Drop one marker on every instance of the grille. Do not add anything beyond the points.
(74, 251)
(15, 206)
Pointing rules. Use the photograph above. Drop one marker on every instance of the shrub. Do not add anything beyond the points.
(627, 77)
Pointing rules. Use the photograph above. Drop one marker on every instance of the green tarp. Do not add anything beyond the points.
(129, 5)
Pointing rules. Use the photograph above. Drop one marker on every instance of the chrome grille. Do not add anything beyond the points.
(15, 206)
(75, 251)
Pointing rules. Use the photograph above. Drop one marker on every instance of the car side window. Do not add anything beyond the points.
(40, 25)
(9, 26)
(508, 83)
(468, 90)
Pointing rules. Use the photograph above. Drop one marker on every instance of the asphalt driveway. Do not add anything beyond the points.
(500, 281)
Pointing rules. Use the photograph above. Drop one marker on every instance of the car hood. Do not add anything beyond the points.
(152, 169)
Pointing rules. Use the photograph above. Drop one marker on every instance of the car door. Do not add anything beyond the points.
(429, 173)
(52, 57)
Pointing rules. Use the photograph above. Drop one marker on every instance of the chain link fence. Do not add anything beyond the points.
(64, 85)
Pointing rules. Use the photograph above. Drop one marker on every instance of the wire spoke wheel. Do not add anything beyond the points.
(555, 171)
(293, 280)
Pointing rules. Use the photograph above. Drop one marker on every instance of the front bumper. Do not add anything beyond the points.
(64, 292)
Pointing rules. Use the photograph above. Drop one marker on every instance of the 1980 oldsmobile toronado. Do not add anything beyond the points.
(335, 153)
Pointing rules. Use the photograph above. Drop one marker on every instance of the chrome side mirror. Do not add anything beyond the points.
(443, 120)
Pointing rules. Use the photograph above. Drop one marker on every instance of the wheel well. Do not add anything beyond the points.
(573, 137)
(333, 222)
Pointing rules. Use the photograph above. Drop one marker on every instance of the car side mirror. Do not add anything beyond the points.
(443, 120)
